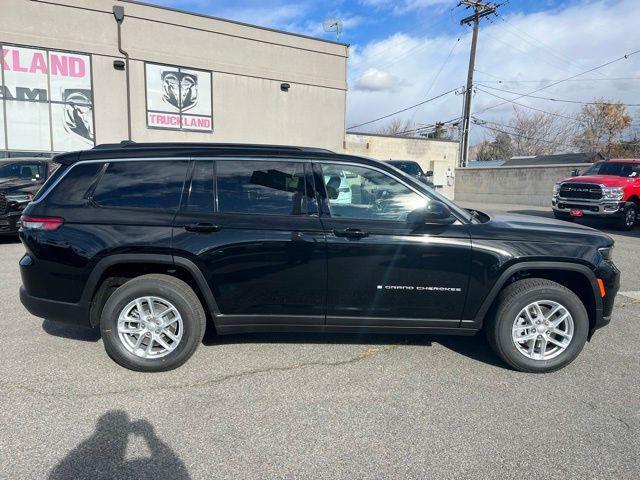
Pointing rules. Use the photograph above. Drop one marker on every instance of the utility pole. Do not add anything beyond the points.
(481, 9)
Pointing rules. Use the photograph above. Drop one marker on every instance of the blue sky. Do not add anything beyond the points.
(404, 51)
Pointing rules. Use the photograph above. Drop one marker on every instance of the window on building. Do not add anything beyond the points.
(142, 184)
(368, 194)
(261, 187)
(178, 98)
(46, 100)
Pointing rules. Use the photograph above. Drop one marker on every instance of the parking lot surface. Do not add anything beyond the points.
(317, 406)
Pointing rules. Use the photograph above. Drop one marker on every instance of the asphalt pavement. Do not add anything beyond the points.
(317, 406)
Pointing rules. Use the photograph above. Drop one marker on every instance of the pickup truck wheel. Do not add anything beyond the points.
(628, 218)
(539, 326)
(152, 323)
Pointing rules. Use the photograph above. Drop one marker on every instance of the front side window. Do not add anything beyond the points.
(261, 187)
(142, 184)
(367, 194)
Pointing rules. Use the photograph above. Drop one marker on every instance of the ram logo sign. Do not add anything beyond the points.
(178, 98)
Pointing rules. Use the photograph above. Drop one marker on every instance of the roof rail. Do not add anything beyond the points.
(127, 144)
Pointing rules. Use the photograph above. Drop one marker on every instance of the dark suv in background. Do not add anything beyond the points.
(153, 241)
(20, 180)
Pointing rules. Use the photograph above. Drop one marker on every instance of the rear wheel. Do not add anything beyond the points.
(539, 326)
(628, 218)
(152, 323)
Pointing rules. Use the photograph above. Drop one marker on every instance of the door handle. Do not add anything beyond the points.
(202, 227)
(350, 233)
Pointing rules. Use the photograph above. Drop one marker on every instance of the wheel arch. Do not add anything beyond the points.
(577, 277)
(113, 271)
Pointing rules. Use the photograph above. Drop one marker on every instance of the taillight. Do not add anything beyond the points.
(41, 223)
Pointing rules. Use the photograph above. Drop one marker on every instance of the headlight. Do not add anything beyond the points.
(556, 189)
(612, 193)
(606, 252)
(19, 197)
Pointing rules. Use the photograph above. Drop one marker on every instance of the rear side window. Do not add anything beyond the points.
(142, 184)
(73, 187)
(261, 187)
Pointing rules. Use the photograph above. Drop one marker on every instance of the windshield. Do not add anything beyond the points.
(620, 169)
(23, 170)
(408, 167)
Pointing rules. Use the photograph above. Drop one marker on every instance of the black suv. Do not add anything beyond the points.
(20, 180)
(154, 241)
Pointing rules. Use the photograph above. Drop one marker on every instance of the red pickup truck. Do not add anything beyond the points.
(609, 189)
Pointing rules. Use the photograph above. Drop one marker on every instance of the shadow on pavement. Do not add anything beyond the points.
(475, 347)
(103, 455)
(72, 332)
(8, 239)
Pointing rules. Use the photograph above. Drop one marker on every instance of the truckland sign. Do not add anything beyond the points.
(46, 100)
(178, 98)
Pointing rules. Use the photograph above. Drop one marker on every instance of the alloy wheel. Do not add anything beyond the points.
(150, 327)
(542, 330)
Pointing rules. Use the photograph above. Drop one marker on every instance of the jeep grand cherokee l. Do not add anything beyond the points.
(153, 241)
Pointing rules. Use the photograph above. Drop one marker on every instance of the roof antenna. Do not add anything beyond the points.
(333, 24)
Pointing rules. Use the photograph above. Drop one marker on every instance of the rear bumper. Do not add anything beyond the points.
(73, 313)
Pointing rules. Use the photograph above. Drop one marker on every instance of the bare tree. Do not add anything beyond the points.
(602, 125)
(397, 126)
(540, 133)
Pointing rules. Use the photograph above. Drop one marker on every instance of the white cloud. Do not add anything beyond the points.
(374, 80)
(401, 7)
(543, 46)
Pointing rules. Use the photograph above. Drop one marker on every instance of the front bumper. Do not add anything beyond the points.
(610, 276)
(593, 208)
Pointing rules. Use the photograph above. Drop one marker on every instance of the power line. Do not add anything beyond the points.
(429, 126)
(526, 137)
(403, 110)
(546, 79)
(623, 57)
(555, 99)
(547, 47)
(506, 100)
(435, 78)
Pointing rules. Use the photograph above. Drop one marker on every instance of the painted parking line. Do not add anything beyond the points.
(635, 295)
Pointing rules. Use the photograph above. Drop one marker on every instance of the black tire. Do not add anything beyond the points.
(166, 287)
(627, 220)
(509, 304)
(564, 216)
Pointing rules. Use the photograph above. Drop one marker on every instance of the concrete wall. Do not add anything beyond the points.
(530, 185)
(435, 155)
(248, 64)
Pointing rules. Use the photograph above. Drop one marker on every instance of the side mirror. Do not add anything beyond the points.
(429, 173)
(435, 213)
(575, 172)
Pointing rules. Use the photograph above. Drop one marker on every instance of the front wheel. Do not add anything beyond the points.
(628, 218)
(152, 323)
(539, 326)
